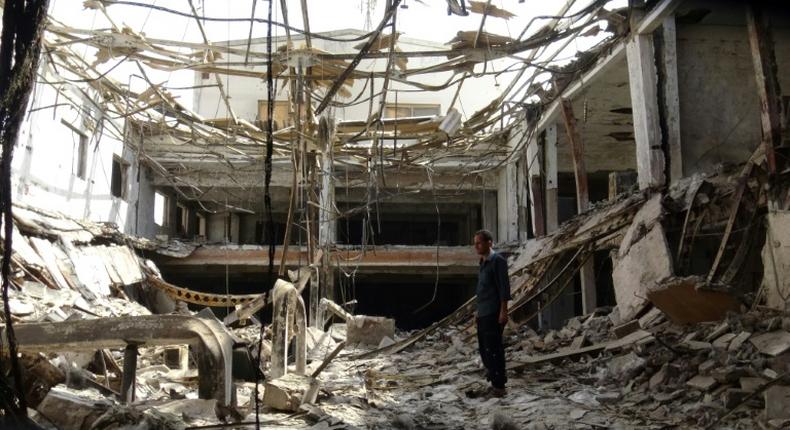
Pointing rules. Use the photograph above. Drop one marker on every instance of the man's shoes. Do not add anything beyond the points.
(496, 392)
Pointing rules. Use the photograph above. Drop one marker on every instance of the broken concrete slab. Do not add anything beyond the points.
(625, 329)
(702, 383)
(70, 409)
(723, 341)
(738, 341)
(625, 367)
(289, 391)
(687, 300)
(751, 384)
(777, 402)
(369, 330)
(638, 268)
(773, 343)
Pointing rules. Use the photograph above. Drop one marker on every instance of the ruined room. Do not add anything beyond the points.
(286, 214)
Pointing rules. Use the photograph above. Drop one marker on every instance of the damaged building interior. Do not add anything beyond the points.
(264, 213)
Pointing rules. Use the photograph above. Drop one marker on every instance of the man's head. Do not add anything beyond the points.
(483, 242)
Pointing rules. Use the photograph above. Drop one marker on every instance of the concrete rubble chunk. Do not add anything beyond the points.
(718, 331)
(687, 300)
(776, 259)
(369, 330)
(777, 402)
(659, 378)
(638, 267)
(773, 343)
(703, 383)
(738, 341)
(724, 340)
(287, 392)
(626, 366)
(69, 409)
(625, 329)
(751, 384)
(697, 345)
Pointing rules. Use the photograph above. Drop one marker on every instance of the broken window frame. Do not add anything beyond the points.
(411, 109)
(119, 190)
(79, 165)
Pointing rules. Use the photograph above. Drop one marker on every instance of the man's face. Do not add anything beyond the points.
(482, 246)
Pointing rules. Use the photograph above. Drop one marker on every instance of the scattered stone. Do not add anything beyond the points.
(728, 374)
(578, 342)
(777, 402)
(718, 331)
(723, 341)
(369, 330)
(751, 384)
(608, 398)
(659, 378)
(697, 345)
(286, 392)
(73, 410)
(707, 366)
(386, 341)
(773, 343)
(624, 330)
(577, 414)
(734, 397)
(739, 340)
(770, 374)
(702, 383)
(626, 366)
(651, 318)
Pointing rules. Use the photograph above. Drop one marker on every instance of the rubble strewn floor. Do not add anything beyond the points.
(709, 375)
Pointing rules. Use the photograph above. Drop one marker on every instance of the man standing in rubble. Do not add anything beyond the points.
(493, 293)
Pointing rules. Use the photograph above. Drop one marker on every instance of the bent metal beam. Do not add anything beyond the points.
(212, 345)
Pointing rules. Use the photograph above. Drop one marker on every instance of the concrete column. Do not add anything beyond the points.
(327, 222)
(550, 158)
(643, 82)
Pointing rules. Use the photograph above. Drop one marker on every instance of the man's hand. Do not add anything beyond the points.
(503, 317)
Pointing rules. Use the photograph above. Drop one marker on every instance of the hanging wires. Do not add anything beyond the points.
(267, 198)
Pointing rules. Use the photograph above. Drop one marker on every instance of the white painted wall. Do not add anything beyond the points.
(44, 169)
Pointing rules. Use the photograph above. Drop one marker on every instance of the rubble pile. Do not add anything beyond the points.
(727, 374)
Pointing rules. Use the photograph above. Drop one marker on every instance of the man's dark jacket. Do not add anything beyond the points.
(493, 285)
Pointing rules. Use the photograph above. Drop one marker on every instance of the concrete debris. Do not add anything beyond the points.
(773, 343)
(369, 330)
(776, 260)
(289, 391)
(689, 300)
(777, 402)
(703, 383)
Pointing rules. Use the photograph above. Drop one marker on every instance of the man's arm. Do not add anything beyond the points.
(503, 313)
(503, 284)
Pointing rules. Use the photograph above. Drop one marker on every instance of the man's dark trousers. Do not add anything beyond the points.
(492, 352)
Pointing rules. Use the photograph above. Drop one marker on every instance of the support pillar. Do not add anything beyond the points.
(670, 97)
(327, 220)
(129, 373)
(587, 271)
(550, 158)
(643, 82)
(764, 59)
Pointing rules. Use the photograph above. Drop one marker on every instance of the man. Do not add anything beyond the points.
(493, 293)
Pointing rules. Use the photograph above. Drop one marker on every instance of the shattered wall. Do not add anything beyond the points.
(719, 108)
(46, 169)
